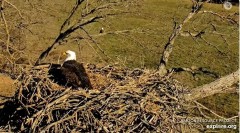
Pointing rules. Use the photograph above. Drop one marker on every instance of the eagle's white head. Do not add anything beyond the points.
(70, 55)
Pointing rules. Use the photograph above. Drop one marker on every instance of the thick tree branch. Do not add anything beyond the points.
(90, 13)
(222, 85)
(176, 32)
(196, 9)
(78, 3)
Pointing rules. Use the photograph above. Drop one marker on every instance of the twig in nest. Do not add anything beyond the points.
(6, 26)
(19, 13)
(136, 105)
(204, 107)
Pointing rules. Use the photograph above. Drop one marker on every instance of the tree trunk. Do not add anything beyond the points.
(176, 32)
(222, 85)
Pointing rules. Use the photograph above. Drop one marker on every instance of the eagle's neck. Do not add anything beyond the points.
(67, 62)
(70, 58)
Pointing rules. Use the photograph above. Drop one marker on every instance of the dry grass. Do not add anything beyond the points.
(6, 85)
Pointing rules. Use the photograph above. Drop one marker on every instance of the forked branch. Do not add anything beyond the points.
(89, 15)
(176, 32)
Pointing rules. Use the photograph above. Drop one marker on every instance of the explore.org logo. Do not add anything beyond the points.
(227, 5)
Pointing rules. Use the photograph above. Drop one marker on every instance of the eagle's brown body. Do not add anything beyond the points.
(71, 74)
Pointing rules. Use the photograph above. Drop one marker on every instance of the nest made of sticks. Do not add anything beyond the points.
(122, 101)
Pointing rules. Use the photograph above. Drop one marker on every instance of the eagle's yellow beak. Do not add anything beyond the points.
(64, 53)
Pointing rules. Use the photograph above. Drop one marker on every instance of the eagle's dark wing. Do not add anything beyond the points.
(70, 77)
(56, 74)
(84, 76)
(78, 69)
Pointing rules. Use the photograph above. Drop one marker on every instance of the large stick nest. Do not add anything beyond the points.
(122, 101)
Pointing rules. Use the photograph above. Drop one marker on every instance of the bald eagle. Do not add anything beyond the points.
(70, 73)
(101, 30)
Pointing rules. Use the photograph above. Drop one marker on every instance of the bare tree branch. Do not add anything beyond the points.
(222, 85)
(205, 108)
(196, 9)
(78, 3)
(176, 32)
(196, 70)
(6, 26)
(228, 18)
(101, 50)
(89, 15)
(210, 44)
(19, 13)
